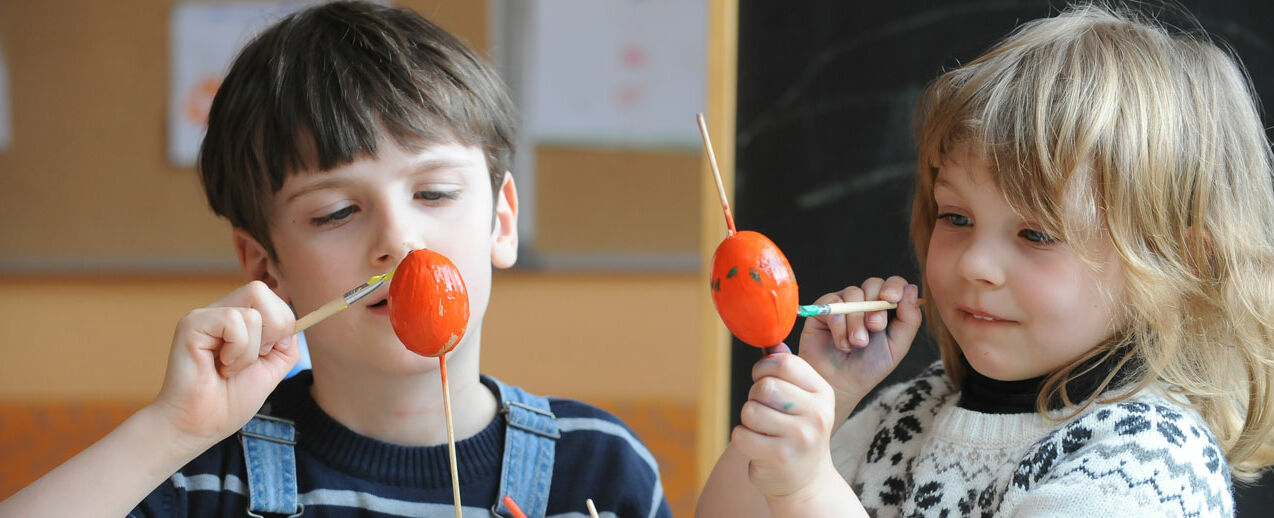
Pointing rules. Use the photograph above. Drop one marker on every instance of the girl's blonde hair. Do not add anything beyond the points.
(1162, 135)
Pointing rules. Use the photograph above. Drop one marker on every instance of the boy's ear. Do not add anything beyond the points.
(255, 262)
(504, 233)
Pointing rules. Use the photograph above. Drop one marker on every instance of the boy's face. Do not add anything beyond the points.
(1018, 302)
(333, 230)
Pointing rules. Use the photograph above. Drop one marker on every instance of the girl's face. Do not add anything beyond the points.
(1018, 302)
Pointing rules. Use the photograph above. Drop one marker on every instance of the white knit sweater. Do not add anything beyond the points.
(913, 452)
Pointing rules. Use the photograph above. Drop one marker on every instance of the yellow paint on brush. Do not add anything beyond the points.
(382, 277)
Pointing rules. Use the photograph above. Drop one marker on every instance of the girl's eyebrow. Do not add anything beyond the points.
(940, 183)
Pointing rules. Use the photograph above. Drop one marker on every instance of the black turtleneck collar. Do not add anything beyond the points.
(982, 394)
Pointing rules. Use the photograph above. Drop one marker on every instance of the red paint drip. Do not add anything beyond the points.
(513, 507)
(442, 368)
(729, 219)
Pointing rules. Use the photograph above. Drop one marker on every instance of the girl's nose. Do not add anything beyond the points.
(981, 262)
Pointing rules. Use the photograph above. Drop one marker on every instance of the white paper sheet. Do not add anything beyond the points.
(204, 38)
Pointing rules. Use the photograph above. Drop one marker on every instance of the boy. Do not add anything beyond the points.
(344, 137)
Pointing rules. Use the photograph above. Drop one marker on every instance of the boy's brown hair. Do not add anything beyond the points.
(317, 89)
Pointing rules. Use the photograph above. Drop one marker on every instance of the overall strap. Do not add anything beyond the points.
(530, 436)
(270, 459)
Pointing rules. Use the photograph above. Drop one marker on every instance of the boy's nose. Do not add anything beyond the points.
(397, 237)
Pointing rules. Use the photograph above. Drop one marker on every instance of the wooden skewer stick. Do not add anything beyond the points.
(451, 434)
(592, 511)
(842, 308)
(716, 173)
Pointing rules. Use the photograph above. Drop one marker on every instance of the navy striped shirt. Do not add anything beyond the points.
(343, 474)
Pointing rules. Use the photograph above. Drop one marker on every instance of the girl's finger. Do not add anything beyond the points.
(767, 421)
(779, 395)
(855, 331)
(890, 290)
(907, 319)
(834, 324)
(791, 369)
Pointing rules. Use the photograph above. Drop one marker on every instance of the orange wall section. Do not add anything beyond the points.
(587, 336)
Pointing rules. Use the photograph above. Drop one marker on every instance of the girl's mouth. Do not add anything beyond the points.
(978, 315)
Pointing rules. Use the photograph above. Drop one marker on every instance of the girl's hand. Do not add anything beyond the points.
(225, 359)
(855, 352)
(786, 428)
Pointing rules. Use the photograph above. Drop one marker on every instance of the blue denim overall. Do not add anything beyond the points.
(526, 471)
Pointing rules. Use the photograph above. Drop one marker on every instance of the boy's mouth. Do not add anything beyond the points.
(380, 303)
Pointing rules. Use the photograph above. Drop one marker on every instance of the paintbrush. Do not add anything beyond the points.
(341, 302)
(841, 308)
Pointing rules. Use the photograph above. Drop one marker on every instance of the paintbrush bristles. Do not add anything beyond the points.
(716, 172)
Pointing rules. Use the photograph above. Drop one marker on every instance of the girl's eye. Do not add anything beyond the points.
(437, 195)
(335, 216)
(955, 219)
(1036, 236)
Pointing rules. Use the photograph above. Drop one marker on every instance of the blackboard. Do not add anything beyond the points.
(825, 155)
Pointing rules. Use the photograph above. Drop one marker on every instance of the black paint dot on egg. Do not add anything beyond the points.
(733, 271)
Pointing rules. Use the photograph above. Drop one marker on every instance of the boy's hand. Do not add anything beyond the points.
(225, 359)
(786, 428)
(855, 352)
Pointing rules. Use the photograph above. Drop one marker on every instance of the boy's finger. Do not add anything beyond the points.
(277, 318)
(240, 297)
(237, 356)
(282, 357)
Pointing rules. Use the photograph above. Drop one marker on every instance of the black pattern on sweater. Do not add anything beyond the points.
(914, 452)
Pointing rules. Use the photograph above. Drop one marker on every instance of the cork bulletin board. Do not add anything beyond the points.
(86, 185)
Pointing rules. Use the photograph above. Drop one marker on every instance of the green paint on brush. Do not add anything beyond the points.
(811, 310)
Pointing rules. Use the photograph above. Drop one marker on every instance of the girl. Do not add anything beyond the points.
(1094, 214)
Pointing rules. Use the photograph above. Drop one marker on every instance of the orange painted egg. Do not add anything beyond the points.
(754, 289)
(428, 303)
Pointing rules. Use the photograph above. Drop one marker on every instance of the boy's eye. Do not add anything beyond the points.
(1036, 236)
(436, 195)
(955, 219)
(335, 216)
